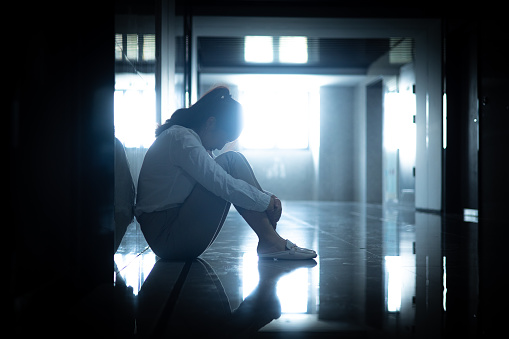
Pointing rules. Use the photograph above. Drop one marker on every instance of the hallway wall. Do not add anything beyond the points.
(291, 174)
(335, 175)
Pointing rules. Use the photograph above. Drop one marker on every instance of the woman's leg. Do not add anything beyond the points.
(186, 232)
(200, 219)
(238, 167)
(202, 215)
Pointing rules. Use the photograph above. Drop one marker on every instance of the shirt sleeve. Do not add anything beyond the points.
(187, 152)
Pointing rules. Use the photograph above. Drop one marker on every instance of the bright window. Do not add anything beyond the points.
(118, 46)
(290, 49)
(135, 98)
(132, 47)
(399, 128)
(258, 49)
(149, 47)
(135, 109)
(293, 49)
(276, 113)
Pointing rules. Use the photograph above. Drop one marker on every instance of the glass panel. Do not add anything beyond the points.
(135, 122)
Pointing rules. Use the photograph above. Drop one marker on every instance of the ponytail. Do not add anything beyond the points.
(216, 103)
(177, 118)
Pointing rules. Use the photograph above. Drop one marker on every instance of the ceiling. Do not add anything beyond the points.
(296, 8)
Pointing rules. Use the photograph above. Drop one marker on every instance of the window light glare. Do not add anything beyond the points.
(282, 116)
(292, 289)
(149, 47)
(258, 49)
(132, 47)
(293, 49)
(444, 281)
(118, 46)
(393, 271)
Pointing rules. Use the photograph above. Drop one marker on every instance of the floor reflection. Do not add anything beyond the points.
(391, 273)
(189, 299)
(293, 287)
(135, 268)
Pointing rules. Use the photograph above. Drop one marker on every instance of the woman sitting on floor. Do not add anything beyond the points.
(184, 194)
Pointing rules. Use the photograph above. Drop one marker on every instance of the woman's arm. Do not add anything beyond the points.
(188, 153)
(274, 210)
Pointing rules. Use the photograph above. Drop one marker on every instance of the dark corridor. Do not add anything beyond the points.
(381, 271)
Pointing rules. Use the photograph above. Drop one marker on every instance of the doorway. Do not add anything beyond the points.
(409, 177)
(399, 138)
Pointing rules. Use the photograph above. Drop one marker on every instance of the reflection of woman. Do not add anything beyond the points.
(124, 193)
(202, 309)
(184, 194)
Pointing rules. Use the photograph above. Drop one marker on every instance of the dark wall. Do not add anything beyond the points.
(461, 160)
(477, 87)
(314, 8)
(493, 71)
(61, 145)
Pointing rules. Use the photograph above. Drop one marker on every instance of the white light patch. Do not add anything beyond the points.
(293, 49)
(258, 49)
(394, 282)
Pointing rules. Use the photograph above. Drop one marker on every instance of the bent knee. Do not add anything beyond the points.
(228, 160)
(229, 155)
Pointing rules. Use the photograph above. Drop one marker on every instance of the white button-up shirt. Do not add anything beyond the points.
(175, 162)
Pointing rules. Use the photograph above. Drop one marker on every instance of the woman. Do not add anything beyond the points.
(184, 194)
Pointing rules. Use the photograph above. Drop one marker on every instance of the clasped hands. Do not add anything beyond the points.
(274, 210)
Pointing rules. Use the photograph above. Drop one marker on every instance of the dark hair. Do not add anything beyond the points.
(216, 103)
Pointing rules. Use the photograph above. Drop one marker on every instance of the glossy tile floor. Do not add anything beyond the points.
(380, 272)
